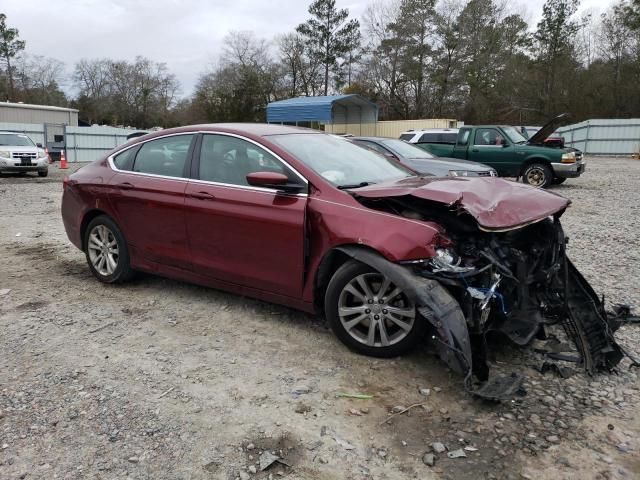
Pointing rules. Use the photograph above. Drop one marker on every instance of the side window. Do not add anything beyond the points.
(429, 138)
(463, 137)
(488, 136)
(449, 137)
(164, 156)
(124, 160)
(226, 159)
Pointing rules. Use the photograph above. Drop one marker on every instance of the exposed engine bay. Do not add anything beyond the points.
(518, 283)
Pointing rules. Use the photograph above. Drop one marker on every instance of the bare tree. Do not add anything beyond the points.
(10, 47)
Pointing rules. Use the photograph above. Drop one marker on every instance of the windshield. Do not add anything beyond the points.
(339, 161)
(15, 140)
(405, 149)
(514, 135)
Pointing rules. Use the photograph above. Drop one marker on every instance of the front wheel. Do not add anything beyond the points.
(106, 251)
(538, 175)
(370, 314)
(558, 180)
(43, 173)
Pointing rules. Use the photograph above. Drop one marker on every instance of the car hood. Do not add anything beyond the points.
(458, 164)
(541, 135)
(13, 149)
(495, 203)
(441, 165)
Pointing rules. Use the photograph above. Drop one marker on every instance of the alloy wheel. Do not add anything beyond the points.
(536, 176)
(103, 250)
(374, 311)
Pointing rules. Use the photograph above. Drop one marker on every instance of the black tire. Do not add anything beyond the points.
(558, 180)
(123, 270)
(538, 175)
(43, 174)
(349, 272)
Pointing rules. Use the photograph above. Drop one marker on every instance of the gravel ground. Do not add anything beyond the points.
(163, 380)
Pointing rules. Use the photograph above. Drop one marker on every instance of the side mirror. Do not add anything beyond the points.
(39, 145)
(505, 144)
(275, 180)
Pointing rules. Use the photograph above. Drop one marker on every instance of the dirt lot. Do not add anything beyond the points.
(163, 380)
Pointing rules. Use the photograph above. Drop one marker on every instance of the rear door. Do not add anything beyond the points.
(242, 234)
(147, 194)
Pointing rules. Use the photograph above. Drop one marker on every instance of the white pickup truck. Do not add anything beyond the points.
(18, 154)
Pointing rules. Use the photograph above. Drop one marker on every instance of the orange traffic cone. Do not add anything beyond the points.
(63, 161)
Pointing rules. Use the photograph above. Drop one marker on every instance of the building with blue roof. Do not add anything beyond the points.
(334, 113)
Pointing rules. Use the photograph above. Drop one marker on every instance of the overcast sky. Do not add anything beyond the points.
(185, 34)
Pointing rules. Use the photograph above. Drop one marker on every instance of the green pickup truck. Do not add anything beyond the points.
(512, 155)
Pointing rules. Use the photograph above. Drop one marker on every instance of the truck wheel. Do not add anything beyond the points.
(537, 175)
(558, 181)
(43, 173)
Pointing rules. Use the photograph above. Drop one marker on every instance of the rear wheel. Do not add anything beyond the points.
(370, 314)
(106, 251)
(538, 175)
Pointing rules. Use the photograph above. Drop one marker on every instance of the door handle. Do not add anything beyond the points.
(202, 195)
(475, 150)
(125, 186)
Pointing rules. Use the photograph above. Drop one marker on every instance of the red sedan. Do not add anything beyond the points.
(304, 219)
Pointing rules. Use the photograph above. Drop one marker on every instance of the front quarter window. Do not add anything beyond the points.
(339, 161)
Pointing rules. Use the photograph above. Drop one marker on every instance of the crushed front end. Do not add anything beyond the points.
(517, 282)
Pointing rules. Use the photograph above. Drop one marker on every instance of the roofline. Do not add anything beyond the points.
(37, 107)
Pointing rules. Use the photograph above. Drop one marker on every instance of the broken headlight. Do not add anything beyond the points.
(447, 260)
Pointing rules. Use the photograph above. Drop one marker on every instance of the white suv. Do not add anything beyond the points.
(18, 154)
(431, 135)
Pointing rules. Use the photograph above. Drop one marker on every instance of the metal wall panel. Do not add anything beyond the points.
(604, 136)
(9, 113)
(33, 130)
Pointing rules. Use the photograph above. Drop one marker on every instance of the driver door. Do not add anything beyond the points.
(240, 234)
(492, 148)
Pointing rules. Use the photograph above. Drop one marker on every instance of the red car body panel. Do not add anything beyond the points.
(247, 237)
(270, 245)
(151, 212)
(495, 203)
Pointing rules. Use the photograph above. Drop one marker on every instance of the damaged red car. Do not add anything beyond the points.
(311, 221)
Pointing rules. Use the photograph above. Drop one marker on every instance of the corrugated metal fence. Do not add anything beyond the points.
(85, 144)
(82, 144)
(604, 136)
(35, 131)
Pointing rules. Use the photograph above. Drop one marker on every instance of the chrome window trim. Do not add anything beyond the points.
(112, 165)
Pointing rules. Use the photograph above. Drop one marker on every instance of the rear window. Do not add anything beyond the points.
(407, 136)
(124, 160)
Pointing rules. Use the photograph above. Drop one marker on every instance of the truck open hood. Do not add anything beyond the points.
(541, 135)
(495, 203)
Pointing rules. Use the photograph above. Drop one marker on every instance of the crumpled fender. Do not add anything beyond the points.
(433, 302)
